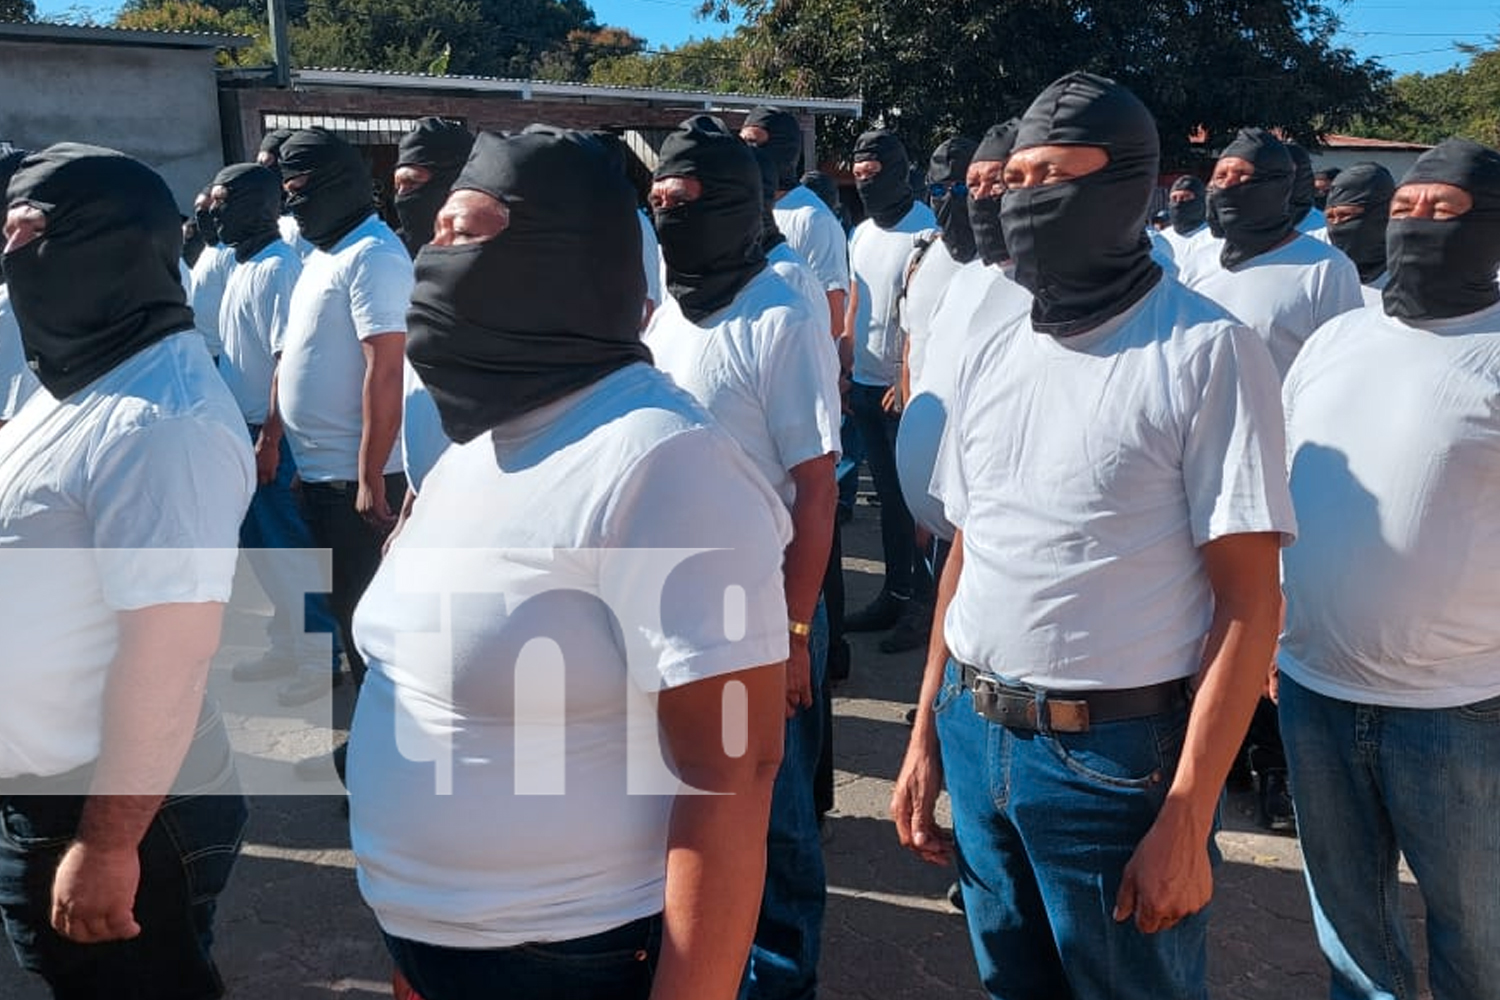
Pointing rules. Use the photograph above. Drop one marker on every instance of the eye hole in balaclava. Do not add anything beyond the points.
(1253, 215)
(887, 196)
(1367, 187)
(947, 171)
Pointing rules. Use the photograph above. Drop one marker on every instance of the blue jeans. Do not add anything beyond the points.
(905, 569)
(272, 525)
(186, 857)
(1045, 824)
(615, 965)
(1371, 783)
(788, 937)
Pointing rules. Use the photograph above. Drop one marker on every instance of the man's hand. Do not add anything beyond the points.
(891, 401)
(914, 800)
(799, 693)
(93, 894)
(267, 459)
(1169, 876)
(371, 504)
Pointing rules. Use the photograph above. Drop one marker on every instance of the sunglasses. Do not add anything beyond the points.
(959, 189)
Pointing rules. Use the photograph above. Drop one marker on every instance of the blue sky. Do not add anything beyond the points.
(1406, 35)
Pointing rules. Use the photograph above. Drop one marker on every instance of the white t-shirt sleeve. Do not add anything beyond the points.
(165, 501)
(1234, 453)
(1341, 290)
(948, 485)
(380, 287)
(827, 252)
(719, 611)
(799, 385)
(278, 301)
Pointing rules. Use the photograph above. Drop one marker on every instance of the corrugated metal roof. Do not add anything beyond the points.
(99, 35)
(538, 89)
(1360, 142)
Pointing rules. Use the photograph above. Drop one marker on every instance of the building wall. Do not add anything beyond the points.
(157, 104)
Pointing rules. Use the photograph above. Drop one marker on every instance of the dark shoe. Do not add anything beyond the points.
(838, 661)
(956, 897)
(309, 686)
(1275, 798)
(877, 616)
(320, 767)
(911, 631)
(265, 668)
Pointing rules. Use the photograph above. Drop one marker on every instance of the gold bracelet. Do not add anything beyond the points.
(803, 629)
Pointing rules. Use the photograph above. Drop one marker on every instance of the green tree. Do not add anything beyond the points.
(573, 61)
(190, 15)
(927, 69)
(714, 64)
(17, 10)
(1429, 108)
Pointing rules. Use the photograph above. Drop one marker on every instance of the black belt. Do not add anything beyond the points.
(1029, 708)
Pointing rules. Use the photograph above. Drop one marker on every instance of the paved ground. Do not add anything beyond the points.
(292, 925)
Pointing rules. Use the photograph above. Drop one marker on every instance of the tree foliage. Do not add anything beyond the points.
(928, 69)
(713, 64)
(1429, 108)
(17, 10)
(190, 15)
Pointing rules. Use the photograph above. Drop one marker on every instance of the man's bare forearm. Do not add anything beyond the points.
(923, 728)
(806, 561)
(380, 409)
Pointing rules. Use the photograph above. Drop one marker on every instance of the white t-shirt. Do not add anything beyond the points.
(541, 549)
(125, 495)
(765, 368)
(919, 306)
(1184, 246)
(650, 258)
(1373, 292)
(210, 277)
(816, 234)
(423, 440)
(359, 290)
(1393, 436)
(979, 298)
(1314, 224)
(1085, 473)
(292, 234)
(1285, 294)
(17, 381)
(253, 318)
(789, 264)
(877, 265)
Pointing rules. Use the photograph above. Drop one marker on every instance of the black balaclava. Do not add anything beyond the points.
(273, 141)
(337, 196)
(984, 213)
(102, 282)
(771, 235)
(550, 305)
(1080, 246)
(441, 147)
(247, 219)
(826, 188)
(1304, 191)
(208, 229)
(1362, 238)
(1320, 199)
(950, 165)
(712, 246)
(1446, 268)
(887, 195)
(1187, 216)
(785, 144)
(1253, 217)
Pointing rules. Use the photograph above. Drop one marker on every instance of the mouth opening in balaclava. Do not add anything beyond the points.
(1441, 268)
(440, 147)
(949, 165)
(887, 196)
(712, 246)
(1362, 238)
(1253, 216)
(489, 334)
(1080, 245)
(1187, 216)
(101, 282)
(247, 219)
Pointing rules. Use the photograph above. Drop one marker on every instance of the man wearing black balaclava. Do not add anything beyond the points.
(428, 160)
(1359, 207)
(1322, 182)
(1389, 687)
(1306, 216)
(133, 457)
(209, 274)
(17, 382)
(880, 251)
(806, 221)
(1113, 466)
(757, 355)
(1281, 283)
(1187, 209)
(339, 383)
(269, 156)
(246, 205)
